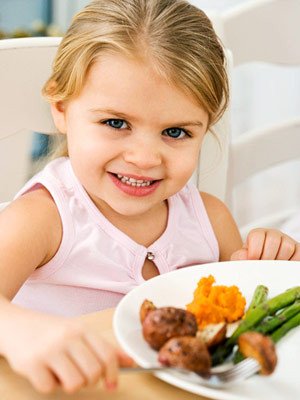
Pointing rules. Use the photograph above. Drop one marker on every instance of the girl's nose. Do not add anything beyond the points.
(143, 154)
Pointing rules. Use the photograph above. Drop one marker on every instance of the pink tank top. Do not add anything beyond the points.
(97, 264)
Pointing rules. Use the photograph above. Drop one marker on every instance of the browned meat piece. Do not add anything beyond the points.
(260, 347)
(186, 352)
(146, 307)
(164, 323)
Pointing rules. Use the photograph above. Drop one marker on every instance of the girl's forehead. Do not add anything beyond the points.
(129, 81)
(108, 64)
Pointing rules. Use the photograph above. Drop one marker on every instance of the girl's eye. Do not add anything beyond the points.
(175, 133)
(116, 123)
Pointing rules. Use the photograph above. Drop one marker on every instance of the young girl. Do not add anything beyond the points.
(135, 87)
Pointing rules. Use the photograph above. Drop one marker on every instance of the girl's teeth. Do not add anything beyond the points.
(132, 181)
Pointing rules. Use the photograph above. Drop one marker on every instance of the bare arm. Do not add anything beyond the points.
(49, 351)
(224, 226)
(30, 234)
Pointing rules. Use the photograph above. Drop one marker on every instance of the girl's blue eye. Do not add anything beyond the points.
(116, 123)
(175, 133)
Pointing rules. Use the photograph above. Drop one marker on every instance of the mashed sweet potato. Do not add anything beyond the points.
(214, 304)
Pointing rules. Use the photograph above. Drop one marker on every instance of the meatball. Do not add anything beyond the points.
(164, 323)
(186, 352)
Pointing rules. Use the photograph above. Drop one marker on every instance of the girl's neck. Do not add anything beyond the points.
(144, 228)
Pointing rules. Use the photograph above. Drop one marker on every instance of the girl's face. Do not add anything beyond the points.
(133, 138)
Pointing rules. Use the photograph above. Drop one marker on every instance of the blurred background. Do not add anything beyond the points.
(257, 90)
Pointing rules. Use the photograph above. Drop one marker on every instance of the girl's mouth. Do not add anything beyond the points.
(139, 186)
(134, 182)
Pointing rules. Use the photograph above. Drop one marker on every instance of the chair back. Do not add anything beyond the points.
(261, 31)
(25, 65)
(212, 170)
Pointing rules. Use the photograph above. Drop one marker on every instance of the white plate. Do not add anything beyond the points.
(176, 289)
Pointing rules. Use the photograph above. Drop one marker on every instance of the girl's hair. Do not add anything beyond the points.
(175, 36)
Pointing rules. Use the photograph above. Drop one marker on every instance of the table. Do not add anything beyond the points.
(133, 386)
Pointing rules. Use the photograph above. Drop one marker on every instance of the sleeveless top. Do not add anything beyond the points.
(96, 263)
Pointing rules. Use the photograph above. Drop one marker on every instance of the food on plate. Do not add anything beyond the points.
(214, 304)
(291, 323)
(195, 338)
(259, 296)
(161, 324)
(213, 334)
(145, 308)
(186, 352)
(260, 347)
(262, 316)
(269, 324)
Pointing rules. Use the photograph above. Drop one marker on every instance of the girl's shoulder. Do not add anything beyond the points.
(31, 230)
(223, 224)
(218, 213)
(214, 206)
(30, 234)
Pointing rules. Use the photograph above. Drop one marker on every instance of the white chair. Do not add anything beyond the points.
(264, 31)
(211, 174)
(25, 65)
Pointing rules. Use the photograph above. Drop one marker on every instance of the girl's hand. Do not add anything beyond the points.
(268, 244)
(54, 352)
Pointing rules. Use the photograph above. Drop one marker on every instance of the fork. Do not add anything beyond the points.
(218, 378)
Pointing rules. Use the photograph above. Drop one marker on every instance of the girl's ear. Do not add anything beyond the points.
(59, 117)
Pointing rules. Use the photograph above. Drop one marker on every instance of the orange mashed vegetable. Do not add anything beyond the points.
(214, 304)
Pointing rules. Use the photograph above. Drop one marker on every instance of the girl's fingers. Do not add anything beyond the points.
(69, 375)
(107, 354)
(238, 255)
(124, 359)
(272, 245)
(43, 380)
(255, 244)
(296, 255)
(287, 249)
(88, 363)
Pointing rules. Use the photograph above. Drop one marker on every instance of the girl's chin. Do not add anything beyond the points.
(107, 207)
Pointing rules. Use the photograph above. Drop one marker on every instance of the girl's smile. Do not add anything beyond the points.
(133, 138)
(135, 185)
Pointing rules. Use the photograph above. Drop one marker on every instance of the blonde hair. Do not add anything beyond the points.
(177, 37)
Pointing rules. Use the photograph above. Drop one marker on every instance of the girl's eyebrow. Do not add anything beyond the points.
(188, 123)
(111, 111)
(132, 118)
